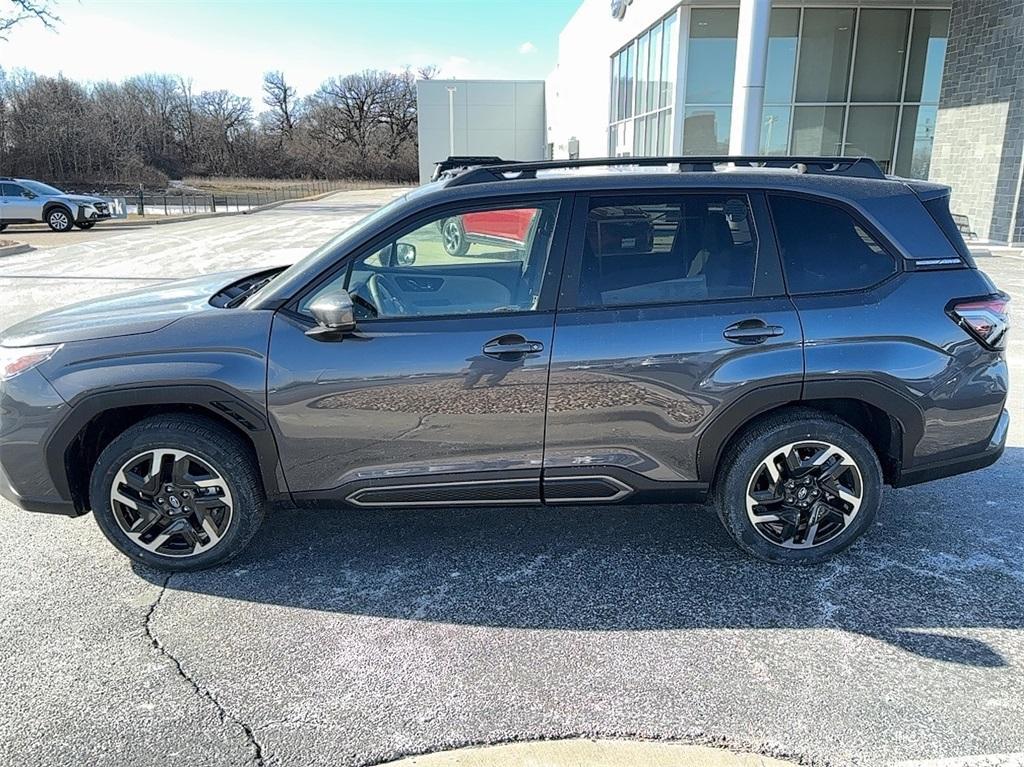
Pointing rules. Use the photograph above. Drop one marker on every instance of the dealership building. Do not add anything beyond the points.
(928, 89)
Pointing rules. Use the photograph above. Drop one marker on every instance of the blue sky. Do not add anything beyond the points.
(229, 43)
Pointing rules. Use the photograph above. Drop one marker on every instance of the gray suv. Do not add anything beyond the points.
(781, 336)
(23, 201)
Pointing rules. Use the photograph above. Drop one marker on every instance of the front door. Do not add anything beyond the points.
(673, 313)
(438, 396)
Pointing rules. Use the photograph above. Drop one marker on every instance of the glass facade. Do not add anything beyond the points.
(854, 81)
(643, 88)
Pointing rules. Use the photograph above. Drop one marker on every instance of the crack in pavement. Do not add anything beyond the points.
(223, 714)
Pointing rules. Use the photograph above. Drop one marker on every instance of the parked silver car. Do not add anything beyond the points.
(23, 201)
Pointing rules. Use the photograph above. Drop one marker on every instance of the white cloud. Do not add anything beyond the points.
(527, 48)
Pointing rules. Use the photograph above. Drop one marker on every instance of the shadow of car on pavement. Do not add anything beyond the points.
(942, 559)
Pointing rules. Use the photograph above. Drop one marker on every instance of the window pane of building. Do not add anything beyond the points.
(643, 46)
(881, 49)
(782, 37)
(630, 73)
(668, 62)
(818, 130)
(927, 54)
(775, 130)
(914, 154)
(706, 130)
(871, 131)
(711, 55)
(825, 49)
(654, 69)
(615, 89)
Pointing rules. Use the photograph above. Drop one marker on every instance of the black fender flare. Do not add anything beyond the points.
(219, 403)
(740, 412)
(56, 204)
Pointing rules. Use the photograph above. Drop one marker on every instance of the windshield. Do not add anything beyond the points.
(339, 241)
(43, 189)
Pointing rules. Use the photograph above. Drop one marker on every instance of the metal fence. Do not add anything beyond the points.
(186, 202)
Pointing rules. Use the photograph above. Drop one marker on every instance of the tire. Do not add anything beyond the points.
(205, 452)
(453, 237)
(842, 494)
(59, 219)
(2, 227)
(85, 224)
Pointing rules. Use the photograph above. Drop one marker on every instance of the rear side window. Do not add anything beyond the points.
(824, 248)
(667, 249)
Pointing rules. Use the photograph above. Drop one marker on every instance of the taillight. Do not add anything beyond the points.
(986, 319)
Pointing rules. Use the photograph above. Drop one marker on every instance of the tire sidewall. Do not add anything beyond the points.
(247, 511)
(732, 492)
(67, 214)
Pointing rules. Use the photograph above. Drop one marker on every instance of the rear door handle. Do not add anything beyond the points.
(752, 332)
(510, 346)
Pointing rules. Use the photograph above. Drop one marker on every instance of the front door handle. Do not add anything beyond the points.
(752, 332)
(511, 346)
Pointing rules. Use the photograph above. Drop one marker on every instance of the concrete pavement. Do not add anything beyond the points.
(354, 637)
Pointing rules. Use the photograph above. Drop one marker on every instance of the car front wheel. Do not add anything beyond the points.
(59, 220)
(798, 487)
(177, 493)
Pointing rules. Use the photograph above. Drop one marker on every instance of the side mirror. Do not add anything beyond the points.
(333, 313)
(405, 254)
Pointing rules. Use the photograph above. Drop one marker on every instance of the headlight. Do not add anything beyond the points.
(15, 360)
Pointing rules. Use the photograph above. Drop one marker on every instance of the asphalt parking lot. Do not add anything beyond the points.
(354, 637)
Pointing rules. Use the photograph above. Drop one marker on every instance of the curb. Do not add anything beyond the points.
(16, 249)
(593, 753)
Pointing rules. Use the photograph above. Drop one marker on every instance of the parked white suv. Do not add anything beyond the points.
(23, 201)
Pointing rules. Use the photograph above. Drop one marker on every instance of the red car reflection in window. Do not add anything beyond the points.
(490, 227)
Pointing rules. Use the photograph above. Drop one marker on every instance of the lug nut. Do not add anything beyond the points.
(186, 494)
(161, 501)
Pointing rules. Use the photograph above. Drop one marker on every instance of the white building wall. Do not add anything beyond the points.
(492, 117)
(579, 89)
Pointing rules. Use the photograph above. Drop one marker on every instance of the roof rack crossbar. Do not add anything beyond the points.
(856, 167)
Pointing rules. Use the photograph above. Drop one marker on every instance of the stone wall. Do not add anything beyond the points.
(979, 134)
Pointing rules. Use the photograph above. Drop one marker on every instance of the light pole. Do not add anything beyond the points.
(451, 120)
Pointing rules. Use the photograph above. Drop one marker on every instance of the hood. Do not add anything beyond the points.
(82, 199)
(139, 311)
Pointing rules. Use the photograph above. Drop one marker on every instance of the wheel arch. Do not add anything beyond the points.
(888, 420)
(48, 207)
(75, 444)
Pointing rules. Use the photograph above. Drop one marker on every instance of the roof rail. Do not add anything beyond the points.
(464, 162)
(855, 167)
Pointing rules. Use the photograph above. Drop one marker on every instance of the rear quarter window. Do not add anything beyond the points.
(825, 249)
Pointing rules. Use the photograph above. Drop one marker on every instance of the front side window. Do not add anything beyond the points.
(824, 248)
(667, 249)
(474, 262)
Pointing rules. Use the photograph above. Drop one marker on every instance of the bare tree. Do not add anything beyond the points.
(281, 98)
(16, 11)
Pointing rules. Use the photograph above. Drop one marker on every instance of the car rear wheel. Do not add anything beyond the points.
(799, 487)
(453, 237)
(177, 493)
(85, 224)
(59, 220)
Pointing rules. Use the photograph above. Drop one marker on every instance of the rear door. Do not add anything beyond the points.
(673, 326)
(19, 204)
(438, 396)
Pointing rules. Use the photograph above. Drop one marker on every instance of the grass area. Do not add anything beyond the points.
(241, 185)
